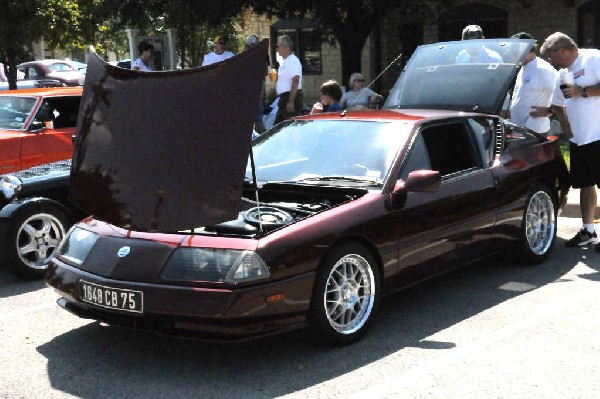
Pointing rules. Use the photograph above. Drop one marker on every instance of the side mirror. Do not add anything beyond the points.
(37, 126)
(418, 181)
(423, 180)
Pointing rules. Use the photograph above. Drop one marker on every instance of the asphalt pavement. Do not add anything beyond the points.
(489, 330)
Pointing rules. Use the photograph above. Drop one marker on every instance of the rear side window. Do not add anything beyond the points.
(483, 129)
(450, 148)
(60, 67)
(31, 73)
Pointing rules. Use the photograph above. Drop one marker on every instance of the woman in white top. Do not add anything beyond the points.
(358, 96)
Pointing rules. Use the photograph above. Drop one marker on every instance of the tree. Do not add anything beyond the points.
(195, 21)
(23, 22)
(349, 22)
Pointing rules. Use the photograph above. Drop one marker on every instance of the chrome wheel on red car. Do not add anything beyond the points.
(34, 239)
(346, 295)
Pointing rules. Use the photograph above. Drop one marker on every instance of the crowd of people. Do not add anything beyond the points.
(540, 92)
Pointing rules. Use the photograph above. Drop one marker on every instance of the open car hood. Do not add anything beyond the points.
(166, 151)
(464, 75)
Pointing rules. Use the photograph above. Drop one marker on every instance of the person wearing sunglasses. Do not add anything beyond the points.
(220, 54)
(358, 96)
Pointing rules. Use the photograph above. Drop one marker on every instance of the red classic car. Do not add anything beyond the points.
(336, 211)
(36, 126)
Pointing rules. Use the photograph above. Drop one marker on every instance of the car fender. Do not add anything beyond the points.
(12, 209)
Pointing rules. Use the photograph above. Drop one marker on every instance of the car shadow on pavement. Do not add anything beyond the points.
(83, 361)
(11, 285)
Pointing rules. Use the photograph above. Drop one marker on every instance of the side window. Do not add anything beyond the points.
(60, 67)
(417, 158)
(483, 129)
(61, 110)
(450, 148)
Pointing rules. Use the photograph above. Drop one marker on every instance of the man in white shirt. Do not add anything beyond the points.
(532, 95)
(581, 123)
(476, 53)
(143, 63)
(220, 54)
(289, 81)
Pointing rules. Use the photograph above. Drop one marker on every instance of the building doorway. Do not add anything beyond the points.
(588, 22)
(493, 21)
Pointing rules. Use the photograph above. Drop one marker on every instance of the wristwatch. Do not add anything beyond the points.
(584, 92)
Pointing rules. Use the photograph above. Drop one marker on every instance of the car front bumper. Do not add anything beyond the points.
(202, 313)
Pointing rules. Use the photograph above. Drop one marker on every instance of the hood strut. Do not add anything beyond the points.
(260, 226)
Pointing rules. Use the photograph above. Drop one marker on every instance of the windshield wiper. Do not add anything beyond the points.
(374, 181)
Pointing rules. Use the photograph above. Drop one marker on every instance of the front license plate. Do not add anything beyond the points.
(111, 298)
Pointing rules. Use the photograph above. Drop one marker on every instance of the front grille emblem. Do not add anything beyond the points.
(123, 252)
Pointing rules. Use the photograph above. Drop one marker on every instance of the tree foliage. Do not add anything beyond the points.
(349, 22)
(194, 21)
(23, 22)
(198, 22)
(71, 24)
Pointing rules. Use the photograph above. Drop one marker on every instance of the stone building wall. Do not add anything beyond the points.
(331, 55)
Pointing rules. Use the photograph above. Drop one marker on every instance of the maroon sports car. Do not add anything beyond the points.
(335, 211)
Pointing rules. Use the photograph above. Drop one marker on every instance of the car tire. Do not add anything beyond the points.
(538, 227)
(33, 239)
(346, 295)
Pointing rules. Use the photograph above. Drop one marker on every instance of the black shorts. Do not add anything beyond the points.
(585, 164)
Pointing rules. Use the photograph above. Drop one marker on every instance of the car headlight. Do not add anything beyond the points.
(10, 185)
(214, 264)
(77, 244)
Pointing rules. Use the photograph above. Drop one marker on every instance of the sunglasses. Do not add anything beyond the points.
(359, 80)
(223, 43)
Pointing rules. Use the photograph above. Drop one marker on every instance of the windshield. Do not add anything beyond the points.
(325, 150)
(468, 75)
(14, 111)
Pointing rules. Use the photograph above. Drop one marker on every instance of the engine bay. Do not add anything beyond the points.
(279, 206)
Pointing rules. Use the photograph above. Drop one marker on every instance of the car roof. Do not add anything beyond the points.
(46, 62)
(46, 92)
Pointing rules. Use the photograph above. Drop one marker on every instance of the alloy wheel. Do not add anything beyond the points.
(349, 294)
